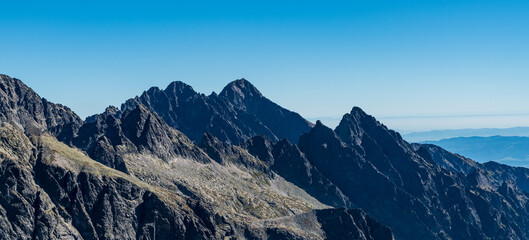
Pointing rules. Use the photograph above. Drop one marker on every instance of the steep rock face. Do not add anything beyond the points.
(58, 193)
(225, 153)
(107, 138)
(108, 208)
(365, 185)
(242, 96)
(100, 138)
(452, 162)
(406, 189)
(289, 162)
(504, 173)
(235, 115)
(26, 211)
(22, 107)
(358, 225)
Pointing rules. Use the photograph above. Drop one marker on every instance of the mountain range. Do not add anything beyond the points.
(177, 164)
(437, 135)
(512, 151)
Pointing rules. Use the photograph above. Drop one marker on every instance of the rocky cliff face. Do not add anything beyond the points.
(289, 162)
(23, 108)
(108, 138)
(238, 113)
(59, 193)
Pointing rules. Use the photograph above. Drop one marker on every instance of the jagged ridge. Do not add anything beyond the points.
(238, 113)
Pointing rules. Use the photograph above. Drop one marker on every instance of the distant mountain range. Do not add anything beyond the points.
(437, 135)
(176, 164)
(512, 151)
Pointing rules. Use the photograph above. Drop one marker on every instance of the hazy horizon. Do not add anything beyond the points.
(414, 65)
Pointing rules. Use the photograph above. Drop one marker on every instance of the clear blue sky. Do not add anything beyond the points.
(395, 59)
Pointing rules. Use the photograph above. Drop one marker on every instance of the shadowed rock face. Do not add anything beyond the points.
(282, 158)
(407, 189)
(22, 107)
(452, 162)
(238, 113)
(289, 162)
(504, 173)
(357, 225)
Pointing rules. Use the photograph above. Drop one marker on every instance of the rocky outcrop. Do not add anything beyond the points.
(450, 161)
(108, 138)
(357, 225)
(25, 109)
(225, 153)
(242, 96)
(289, 162)
(503, 173)
(238, 113)
(282, 158)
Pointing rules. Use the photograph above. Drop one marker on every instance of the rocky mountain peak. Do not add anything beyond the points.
(180, 89)
(139, 123)
(153, 90)
(320, 132)
(240, 89)
(26, 110)
(357, 116)
(238, 113)
(355, 125)
(111, 110)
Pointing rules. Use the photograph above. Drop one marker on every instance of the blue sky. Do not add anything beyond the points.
(416, 65)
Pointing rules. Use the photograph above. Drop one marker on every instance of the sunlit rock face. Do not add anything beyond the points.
(26, 110)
